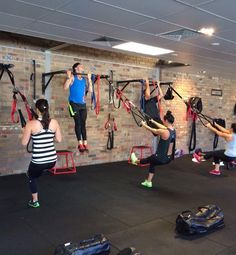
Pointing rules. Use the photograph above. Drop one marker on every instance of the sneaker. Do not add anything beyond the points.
(147, 184)
(221, 163)
(197, 157)
(194, 160)
(81, 147)
(215, 172)
(33, 204)
(86, 147)
(133, 158)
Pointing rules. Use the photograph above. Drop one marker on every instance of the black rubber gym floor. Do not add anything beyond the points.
(108, 199)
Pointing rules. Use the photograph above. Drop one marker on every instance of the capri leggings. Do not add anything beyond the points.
(218, 156)
(35, 171)
(154, 160)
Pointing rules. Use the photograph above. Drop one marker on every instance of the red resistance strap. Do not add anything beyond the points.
(191, 114)
(14, 106)
(111, 125)
(125, 101)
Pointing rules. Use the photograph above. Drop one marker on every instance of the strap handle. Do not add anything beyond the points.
(97, 109)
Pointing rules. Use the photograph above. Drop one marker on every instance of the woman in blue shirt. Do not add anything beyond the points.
(77, 86)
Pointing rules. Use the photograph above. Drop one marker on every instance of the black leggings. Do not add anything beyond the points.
(35, 171)
(80, 121)
(154, 160)
(218, 156)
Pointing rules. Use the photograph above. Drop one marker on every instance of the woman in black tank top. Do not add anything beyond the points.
(165, 149)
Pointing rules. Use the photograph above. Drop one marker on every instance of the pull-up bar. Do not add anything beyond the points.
(142, 81)
(51, 75)
(128, 81)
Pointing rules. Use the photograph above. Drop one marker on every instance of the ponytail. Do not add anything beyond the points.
(43, 107)
(169, 117)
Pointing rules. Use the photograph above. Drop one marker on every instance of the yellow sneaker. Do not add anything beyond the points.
(133, 158)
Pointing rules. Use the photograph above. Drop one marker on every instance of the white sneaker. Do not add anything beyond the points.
(195, 160)
(221, 163)
(133, 158)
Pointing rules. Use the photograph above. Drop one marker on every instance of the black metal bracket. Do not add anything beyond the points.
(33, 78)
(5, 68)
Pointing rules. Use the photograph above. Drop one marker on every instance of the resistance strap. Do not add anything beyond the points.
(142, 101)
(93, 95)
(130, 107)
(220, 122)
(97, 109)
(193, 137)
(95, 100)
(29, 111)
(111, 126)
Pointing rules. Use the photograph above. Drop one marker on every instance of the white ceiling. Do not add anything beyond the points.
(82, 21)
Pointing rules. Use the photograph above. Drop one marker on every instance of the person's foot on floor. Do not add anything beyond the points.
(147, 184)
(133, 158)
(34, 204)
(215, 172)
(197, 157)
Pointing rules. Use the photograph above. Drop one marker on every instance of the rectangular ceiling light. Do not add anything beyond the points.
(142, 48)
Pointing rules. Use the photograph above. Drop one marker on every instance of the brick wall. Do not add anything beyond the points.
(15, 159)
(13, 156)
(189, 85)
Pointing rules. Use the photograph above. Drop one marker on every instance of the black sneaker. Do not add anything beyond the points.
(34, 204)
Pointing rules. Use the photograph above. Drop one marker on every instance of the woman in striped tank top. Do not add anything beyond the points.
(43, 131)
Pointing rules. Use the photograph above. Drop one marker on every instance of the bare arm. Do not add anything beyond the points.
(90, 83)
(161, 95)
(147, 90)
(58, 136)
(226, 136)
(222, 128)
(162, 132)
(69, 80)
(26, 134)
(159, 125)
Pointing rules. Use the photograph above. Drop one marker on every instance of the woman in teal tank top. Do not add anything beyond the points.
(77, 86)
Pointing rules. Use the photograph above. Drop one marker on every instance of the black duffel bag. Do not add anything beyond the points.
(207, 218)
(97, 245)
(129, 251)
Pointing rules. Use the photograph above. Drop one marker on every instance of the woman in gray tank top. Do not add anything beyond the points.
(227, 155)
